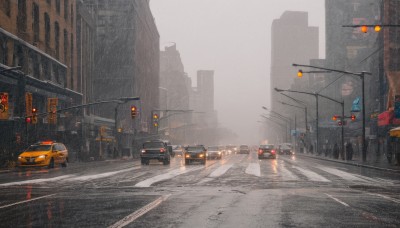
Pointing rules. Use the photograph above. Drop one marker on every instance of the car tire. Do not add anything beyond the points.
(143, 162)
(51, 164)
(165, 162)
(64, 165)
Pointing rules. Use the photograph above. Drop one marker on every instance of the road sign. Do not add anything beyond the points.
(356, 105)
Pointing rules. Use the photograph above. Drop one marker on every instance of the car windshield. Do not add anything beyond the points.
(213, 148)
(244, 147)
(195, 149)
(33, 148)
(267, 146)
(150, 145)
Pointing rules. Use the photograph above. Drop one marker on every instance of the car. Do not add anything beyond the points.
(266, 151)
(214, 152)
(244, 149)
(285, 148)
(156, 150)
(44, 154)
(231, 149)
(177, 149)
(195, 153)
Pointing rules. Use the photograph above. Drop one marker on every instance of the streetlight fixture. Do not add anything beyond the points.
(316, 95)
(361, 75)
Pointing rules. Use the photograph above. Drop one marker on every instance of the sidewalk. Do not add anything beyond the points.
(382, 164)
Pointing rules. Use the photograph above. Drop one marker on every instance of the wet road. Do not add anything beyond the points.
(237, 191)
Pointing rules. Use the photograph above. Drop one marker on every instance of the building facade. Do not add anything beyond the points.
(38, 37)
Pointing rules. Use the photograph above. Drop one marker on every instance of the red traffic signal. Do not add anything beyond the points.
(28, 120)
(335, 117)
(300, 73)
(34, 110)
(133, 111)
(155, 116)
(353, 117)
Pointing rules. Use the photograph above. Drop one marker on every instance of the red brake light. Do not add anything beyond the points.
(162, 150)
(260, 151)
(272, 151)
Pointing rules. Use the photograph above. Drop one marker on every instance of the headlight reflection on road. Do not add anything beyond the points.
(293, 158)
(275, 166)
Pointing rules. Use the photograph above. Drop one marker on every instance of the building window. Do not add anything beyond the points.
(48, 2)
(47, 29)
(21, 19)
(35, 15)
(65, 45)
(5, 6)
(46, 69)
(58, 6)
(19, 56)
(66, 9)
(57, 38)
(36, 65)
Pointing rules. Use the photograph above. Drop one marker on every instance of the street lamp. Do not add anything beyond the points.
(361, 75)
(316, 95)
(280, 125)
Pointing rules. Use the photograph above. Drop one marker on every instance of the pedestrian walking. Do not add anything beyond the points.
(336, 151)
(349, 151)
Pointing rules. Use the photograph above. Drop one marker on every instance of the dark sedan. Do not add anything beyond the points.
(266, 151)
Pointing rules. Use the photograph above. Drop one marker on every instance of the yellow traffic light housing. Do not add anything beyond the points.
(300, 73)
(377, 28)
(155, 116)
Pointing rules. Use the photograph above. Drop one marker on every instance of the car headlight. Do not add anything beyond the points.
(19, 157)
(143, 151)
(187, 155)
(201, 155)
(219, 152)
(42, 156)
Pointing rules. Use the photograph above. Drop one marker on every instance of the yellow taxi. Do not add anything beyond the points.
(47, 153)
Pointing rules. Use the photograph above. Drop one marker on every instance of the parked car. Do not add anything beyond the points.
(266, 151)
(156, 150)
(244, 149)
(214, 152)
(41, 154)
(195, 153)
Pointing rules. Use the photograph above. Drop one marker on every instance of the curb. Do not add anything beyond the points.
(351, 163)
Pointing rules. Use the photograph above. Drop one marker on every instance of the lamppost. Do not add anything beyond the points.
(361, 75)
(305, 112)
(280, 125)
(281, 117)
(317, 95)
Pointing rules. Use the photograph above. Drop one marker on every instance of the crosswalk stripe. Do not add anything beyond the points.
(311, 175)
(341, 174)
(221, 170)
(253, 169)
(173, 173)
(287, 175)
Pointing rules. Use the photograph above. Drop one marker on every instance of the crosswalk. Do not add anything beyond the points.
(277, 170)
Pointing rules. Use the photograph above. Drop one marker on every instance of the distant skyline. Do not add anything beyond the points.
(233, 38)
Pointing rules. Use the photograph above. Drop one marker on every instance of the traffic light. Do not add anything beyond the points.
(133, 111)
(34, 116)
(28, 120)
(3, 106)
(353, 117)
(300, 73)
(377, 28)
(335, 117)
(364, 29)
(155, 119)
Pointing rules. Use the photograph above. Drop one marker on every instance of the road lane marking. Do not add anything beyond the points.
(311, 175)
(166, 176)
(341, 174)
(26, 201)
(385, 197)
(138, 213)
(337, 200)
(221, 170)
(37, 181)
(253, 169)
(98, 176)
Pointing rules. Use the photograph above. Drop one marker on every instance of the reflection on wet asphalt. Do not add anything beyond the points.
(236, 191)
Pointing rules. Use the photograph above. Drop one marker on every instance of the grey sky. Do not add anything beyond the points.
(232, 37)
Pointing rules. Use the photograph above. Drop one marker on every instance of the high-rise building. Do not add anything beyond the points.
(298, 47)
